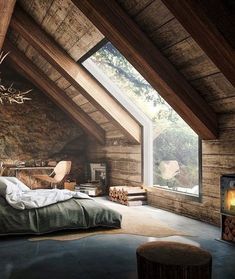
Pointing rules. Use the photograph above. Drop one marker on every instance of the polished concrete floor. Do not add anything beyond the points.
(105, 256)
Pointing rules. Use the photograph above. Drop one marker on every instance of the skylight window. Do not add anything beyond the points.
(175, 145)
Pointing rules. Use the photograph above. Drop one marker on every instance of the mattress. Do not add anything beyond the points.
(70, 214)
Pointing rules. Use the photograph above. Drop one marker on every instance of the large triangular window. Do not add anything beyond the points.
(175, 146)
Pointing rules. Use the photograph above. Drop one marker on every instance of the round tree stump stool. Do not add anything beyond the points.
(172, 260)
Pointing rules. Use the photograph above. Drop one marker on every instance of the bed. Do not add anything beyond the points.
(73, 213)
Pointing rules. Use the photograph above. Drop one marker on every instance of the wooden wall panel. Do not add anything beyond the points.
(206, 211)
(123, 158)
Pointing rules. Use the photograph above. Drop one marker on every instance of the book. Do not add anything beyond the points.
(90, 192)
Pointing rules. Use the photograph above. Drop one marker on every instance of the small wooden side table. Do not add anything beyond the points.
(173, 260)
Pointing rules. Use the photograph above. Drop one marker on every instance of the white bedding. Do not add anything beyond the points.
(19, 196)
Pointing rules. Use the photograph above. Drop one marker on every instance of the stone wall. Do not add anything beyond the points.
(39, 130)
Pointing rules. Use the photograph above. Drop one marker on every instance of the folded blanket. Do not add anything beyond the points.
(19, 196)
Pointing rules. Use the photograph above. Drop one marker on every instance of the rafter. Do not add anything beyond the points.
(132, 42)
(6, 10)
(41, 81)
(194, 18)
(76, 75)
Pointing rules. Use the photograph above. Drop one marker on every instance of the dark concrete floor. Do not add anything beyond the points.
(106, 256)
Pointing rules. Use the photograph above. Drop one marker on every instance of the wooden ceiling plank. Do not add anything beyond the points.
(76, 75)
(6, 10)
(85, 43)
(148, 19)
(190, 59)
(134, 7)
(192, 15)
(41, 81)
(55, 16)
(169, 34)
(133, 43)
(37, 9)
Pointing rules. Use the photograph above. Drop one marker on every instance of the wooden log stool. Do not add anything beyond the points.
(172, 260)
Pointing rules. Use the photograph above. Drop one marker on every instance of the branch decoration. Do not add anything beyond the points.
(9, 94)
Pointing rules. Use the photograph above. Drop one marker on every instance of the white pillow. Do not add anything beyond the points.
(8, 181)
(3, 185)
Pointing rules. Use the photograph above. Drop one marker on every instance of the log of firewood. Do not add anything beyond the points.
(134, 193)
(127, 195)
(119, 194)
(135, 198)
(130, 187)
(228, 229)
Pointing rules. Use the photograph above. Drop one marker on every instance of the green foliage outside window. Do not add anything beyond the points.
(175, 145)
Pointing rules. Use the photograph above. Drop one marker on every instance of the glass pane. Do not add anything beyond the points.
(175, 145)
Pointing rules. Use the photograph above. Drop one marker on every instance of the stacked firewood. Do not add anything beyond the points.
(130, 196)
(229, 228)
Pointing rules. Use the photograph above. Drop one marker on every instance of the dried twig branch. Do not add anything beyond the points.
(3, 56)
(10, 94)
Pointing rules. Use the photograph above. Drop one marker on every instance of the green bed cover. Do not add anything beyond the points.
(70, 214)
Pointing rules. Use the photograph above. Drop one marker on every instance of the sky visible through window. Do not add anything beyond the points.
(175, 145)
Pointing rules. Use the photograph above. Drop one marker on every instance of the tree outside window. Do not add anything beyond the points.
(175, 145)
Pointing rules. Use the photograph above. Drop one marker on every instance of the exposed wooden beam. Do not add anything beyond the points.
(41, 81)
(132, 42)
(198, 21)
(6, 10)
(76, 75)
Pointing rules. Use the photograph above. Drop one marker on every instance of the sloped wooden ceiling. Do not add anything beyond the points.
(193, 86)
(156, 66)
(212, 25)
(65, 29)
(172, 39)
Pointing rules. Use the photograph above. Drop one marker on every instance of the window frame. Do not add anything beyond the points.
(188, 196)
(147, 151)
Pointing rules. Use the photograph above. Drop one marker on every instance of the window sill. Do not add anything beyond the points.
(174, 194)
